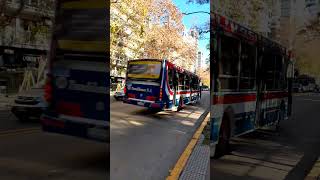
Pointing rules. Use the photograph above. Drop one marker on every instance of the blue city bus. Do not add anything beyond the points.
(251, 79)
(77, 87)
(160, 85)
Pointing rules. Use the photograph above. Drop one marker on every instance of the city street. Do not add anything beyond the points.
(146, 145)
(28, 153)
(289, 154)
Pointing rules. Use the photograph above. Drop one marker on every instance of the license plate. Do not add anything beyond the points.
(140, 103)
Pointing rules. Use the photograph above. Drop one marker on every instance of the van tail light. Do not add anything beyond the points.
(125, 89)
(160, 97)
(48, 89)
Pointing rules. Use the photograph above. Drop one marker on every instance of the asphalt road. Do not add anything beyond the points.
(28, 153)
(146, 145)
(288, 154)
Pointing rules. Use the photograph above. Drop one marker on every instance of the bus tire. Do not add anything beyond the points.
(223, 146)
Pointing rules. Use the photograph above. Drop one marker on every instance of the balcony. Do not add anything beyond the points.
(32, 7)
(25, 39)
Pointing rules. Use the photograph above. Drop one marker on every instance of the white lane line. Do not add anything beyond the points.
(314, 100)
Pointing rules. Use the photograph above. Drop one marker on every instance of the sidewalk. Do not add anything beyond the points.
(314, 174)
(194, 162)
(198, 167)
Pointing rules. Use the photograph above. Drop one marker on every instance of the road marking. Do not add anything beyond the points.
(182, 161)
(18, 131)
(315, 100)
(315, 171)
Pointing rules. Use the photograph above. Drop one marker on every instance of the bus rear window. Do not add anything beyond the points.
(144, 69)
(81, 28)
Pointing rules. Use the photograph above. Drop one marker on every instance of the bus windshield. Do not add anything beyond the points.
(144, 70)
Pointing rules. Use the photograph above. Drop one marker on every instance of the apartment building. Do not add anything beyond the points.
(24, 37)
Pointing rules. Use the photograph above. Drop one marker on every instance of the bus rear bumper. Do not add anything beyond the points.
(148, 104)
(60, 125)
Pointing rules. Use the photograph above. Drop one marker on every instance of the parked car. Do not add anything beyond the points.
(297, 88)
(29, 104)
(119, 95)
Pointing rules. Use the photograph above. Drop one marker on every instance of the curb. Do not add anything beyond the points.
(314, 174)
(191, 149)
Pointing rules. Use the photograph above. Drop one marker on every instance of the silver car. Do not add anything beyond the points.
(29, 104)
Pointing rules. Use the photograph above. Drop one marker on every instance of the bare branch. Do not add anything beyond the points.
(197, 12)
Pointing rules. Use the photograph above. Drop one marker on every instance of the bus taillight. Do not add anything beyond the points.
(151, 98)
(130, 95)
(160, 97)
(48, 90)
(125, 89)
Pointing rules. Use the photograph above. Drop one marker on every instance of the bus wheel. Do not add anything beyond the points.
(223, 145)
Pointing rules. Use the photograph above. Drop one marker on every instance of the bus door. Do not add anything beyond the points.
(260, 88)
(175, 87)
(262, 76)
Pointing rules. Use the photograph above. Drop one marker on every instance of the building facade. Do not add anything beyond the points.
(127, 41)
(25, 32)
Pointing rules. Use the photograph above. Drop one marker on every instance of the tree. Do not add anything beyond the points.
(204, 74)
(246, 12)
(165, 39)
(157, 26)
(8, 17)
(128, 28)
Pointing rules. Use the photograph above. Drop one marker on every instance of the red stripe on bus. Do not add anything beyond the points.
(234, 98)
(184, 92)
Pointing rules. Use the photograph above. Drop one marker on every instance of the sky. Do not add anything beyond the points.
(195, 19)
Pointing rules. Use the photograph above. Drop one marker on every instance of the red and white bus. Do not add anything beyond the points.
(250, 86)
(158, 84)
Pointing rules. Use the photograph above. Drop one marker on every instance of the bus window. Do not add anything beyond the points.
(194, 83)
(170, 78)
(268, 64)
(181, 81)
(247, 66)
(187, 82)
(278, 72)
(229, 63)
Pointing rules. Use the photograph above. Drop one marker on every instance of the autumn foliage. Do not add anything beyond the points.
(150, 29)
